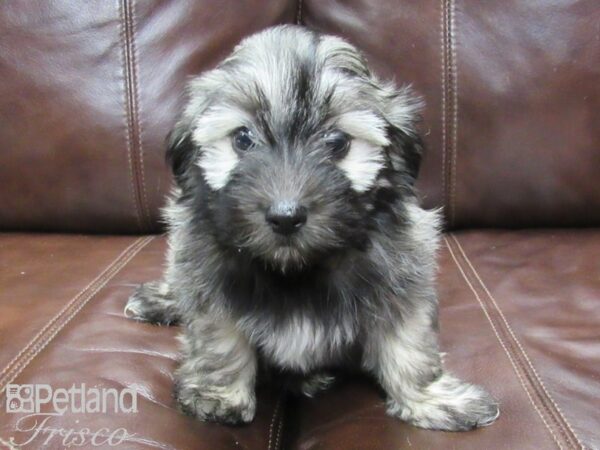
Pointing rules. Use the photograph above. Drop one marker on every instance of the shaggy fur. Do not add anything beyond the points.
(296, 118)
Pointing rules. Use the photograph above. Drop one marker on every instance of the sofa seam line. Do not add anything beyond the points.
(557, 415)
(131, 108)
(517, 361)
(73, 309)
(137, 110)
(280, 426)
(61, 312)
(126, 109)
(550, 414)
(299, 13)
(449, 108)
(443, 99)
(69, 311)
(454, 142)
(516, 368)
(276, 412)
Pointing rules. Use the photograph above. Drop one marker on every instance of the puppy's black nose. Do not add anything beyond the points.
(286, 217)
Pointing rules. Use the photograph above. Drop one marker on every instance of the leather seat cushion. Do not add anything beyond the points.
(62, 323)
(519, 315)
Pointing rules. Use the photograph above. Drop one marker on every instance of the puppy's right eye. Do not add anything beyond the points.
(242, 139)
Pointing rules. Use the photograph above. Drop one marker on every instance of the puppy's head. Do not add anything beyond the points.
(291, 150)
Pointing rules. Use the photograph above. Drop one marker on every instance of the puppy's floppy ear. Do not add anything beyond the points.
(180, 151)
(406, 153)
(181, 148)
(403, 113)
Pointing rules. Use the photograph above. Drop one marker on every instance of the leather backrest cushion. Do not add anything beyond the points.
(89, 90)
(512, 88)
(88, 93)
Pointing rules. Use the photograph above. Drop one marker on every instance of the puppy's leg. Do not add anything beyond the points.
(406, 361)
(152, 302)
(215, 381)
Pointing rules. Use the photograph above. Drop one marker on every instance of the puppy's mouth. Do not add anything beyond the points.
(283, 254)
(287, 258)
(280, 241)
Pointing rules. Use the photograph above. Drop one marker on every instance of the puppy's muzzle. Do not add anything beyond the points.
(286, 217)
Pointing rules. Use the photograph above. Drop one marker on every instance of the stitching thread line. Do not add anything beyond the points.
(65, 315)
(527, 366)
(126, 115)
(449, 87)
(443, 27)
(299, 13)
(273, 420)
(280, 428)
(133, 127)
(137, 109)
(62, 311)
(454, 131)
(501, 341)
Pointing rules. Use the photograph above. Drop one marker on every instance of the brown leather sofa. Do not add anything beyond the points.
(88, 91)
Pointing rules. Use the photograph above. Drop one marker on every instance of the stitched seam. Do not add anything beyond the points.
(443, 112)
(449, 107)
(63, 310)
(106, 275)
(558, 416)
(73, 308)
(280, 428)
(299, 13)
(273, 420)
(126, 115)
(137, 112)
(454, 141)
(501, 341)
(109, 273)
(133, 137)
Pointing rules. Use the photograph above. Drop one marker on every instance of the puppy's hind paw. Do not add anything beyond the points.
(151, 303)
(316, 383)
(447, 404)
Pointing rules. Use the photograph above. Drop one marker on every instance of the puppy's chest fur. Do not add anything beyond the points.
(304, 320)
(301, 343)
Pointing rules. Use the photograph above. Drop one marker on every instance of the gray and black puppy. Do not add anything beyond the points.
(295, 237)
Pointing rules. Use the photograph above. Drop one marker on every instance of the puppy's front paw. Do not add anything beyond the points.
(447, 404)
(223, 404)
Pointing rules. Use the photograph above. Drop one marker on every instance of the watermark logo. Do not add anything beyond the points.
(79, 399)
(38, 404)
(19, 398)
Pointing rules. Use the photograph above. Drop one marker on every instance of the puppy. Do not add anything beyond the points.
(295, 237)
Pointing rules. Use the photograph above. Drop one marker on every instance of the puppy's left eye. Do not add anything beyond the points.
(242, 139)
(338, 143)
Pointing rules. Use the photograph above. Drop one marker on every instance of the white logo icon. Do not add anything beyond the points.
(20, 398)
